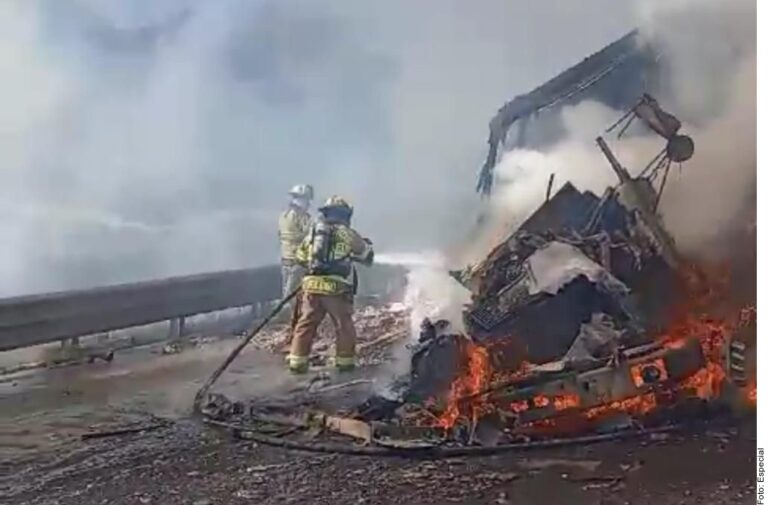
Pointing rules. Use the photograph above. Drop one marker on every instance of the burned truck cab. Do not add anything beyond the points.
(576, 257)
(587, 307)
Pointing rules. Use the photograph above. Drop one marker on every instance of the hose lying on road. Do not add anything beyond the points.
(436, 451)
(197, 407)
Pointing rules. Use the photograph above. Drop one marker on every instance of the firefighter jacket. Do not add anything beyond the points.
(328, 252)
(293, 225)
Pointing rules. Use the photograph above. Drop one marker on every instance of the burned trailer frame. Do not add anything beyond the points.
(615, 76)
(635, 384)
(632, 373)
(530, 407)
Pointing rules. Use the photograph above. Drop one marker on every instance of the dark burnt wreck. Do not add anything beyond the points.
(615, 76)
(585, 318)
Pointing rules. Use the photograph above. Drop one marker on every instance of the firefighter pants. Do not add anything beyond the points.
(292, 274)
(314, 307)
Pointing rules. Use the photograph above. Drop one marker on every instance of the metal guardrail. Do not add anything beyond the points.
(38, 319)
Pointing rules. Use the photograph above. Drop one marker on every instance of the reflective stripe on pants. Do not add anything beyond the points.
(344, 361)
(298, 363)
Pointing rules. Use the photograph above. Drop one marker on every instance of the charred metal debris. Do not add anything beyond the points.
(585, 324)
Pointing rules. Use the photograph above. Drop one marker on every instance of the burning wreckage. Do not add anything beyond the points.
(585, 319)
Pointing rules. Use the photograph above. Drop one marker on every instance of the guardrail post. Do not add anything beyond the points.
(176, 329)
(70, 342)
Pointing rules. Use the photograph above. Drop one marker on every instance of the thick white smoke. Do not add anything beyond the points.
(711, 47)
(723, 167)
(431, 294)
(140, 138)
(523, 174)
(430, 291)
(709, 52)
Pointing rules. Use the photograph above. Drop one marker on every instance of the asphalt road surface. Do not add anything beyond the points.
(43, 459)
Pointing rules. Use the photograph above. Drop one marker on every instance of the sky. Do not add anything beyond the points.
(143, 139)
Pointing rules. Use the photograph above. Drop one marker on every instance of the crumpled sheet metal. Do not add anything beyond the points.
(557, 264)
(594, 339)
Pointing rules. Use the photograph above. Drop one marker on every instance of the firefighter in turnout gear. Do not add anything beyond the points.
(328, 252)
(293, 225)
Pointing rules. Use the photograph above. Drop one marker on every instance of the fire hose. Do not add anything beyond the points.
(200, 396)
(435, 451)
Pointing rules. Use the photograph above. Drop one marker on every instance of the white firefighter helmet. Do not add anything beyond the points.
(302, 191)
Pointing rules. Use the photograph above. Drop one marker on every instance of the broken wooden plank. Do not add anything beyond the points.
(350, 427)
(123, 431)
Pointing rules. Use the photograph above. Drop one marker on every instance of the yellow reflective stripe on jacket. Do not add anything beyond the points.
(352, 245)
(346, 245)
(342, 243)
(325, 285)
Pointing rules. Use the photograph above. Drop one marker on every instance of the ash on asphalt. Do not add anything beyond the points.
(44, 460)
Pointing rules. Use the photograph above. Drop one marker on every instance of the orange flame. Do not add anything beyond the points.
(705, 293)
(559, 402)
(473, 382)
(570, 401)
(636, 406)
(695, 320)
(752, 395)
(707, 382)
